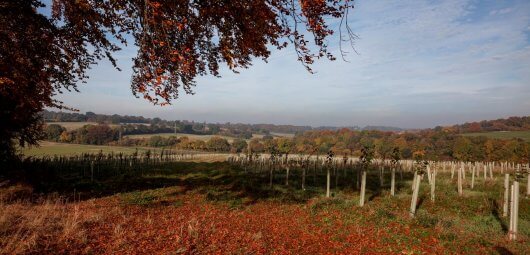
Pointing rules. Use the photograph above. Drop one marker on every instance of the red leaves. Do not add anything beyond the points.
(197, 226)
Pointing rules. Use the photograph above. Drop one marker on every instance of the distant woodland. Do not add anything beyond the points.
(440, 143)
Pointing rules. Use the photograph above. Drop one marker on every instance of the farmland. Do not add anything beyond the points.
(264, 127)
(190, 136)
(204, 137)
(75, 125)
(221, 207)
(52, 148)
(525, 135)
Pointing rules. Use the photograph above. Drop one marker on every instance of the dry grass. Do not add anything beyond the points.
(45, 224)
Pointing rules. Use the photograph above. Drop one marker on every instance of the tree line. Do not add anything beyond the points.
(182, 126)
(103, 134)
(508, 124)
(432, 144)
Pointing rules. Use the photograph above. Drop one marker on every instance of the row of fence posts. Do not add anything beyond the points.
(100, 163)
(330, 164)
(274, 162)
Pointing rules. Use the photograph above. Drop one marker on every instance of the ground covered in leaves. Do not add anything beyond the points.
(209, 210)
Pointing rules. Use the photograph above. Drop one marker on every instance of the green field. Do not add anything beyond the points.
(75, 125)
(51, 148)
(525, 135)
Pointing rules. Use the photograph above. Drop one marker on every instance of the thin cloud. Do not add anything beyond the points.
(421, 64)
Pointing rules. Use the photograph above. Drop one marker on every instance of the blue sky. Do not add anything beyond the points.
(420, 64)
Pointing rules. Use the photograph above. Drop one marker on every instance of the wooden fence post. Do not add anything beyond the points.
(433, 184)
(460, 191)
(91, 171)
(528, 182)
(429, 176)
(393, 183)
(303, 177)
(414, 201)
(506, 195)
(514, 214)
(363, 188)
(473, 177)
(287, 176)
(414, 180)
(271, 173)
(328, 182)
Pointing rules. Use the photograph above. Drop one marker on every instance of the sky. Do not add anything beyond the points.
(419, 64)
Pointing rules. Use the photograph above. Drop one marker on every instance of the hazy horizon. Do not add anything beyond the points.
(420, 64)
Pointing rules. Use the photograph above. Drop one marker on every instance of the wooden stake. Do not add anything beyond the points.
(363, 188)
(287, 176)
(514, 211)
(328, 182)
(473, 177)
(414, 181)
(460, 191)
(528, 183)
(91, 171)
(393, 183)
(303, 178)
(433, 184)
(414, 201)
(271, 173)
(429, 174)
(506, 195)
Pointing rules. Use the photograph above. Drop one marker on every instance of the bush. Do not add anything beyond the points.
(53, 132)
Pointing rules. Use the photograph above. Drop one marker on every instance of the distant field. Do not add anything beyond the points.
(203, 137)
(75, 125)
(51, 148)
(190, 136)
(525, 135)
(282, 134)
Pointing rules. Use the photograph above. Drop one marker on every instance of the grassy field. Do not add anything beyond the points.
(75, 125)
(190, 136)
(51, 148)
(65, 149)
(525, 135)
(216, 208)
(204, 137)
